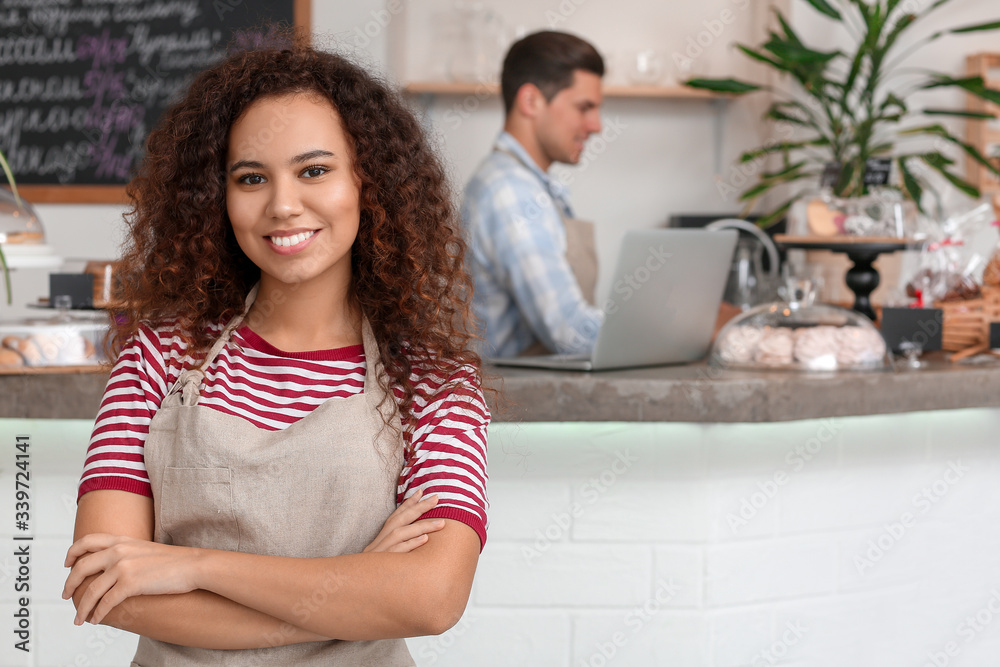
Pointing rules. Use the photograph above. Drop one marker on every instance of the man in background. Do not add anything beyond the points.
(534, 264)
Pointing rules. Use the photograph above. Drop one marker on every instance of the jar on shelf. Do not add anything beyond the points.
(22, 236)
(480, 44)
(19, 224)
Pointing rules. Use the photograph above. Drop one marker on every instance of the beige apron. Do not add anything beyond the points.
(322, 487)
(581, 255)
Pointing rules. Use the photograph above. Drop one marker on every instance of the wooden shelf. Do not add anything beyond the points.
(843, 239)
(664, 92)
(481, 89)
(54, 370)
(982, 134)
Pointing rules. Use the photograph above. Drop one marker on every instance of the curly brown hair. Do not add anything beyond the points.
(181, 263)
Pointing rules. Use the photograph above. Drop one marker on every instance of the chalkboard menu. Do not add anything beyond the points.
(82, 82)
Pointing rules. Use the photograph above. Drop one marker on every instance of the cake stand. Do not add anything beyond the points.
(862, 278)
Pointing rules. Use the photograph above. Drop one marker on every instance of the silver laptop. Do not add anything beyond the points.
(663, 303)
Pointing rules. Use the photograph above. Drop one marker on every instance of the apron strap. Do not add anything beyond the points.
(581, 253)
(189, 382)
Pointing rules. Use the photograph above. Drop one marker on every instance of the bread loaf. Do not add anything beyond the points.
(9, 357)
(27, 349)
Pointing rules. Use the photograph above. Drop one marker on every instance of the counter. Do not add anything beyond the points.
(52, 393)
(698, 393)
(693, 393)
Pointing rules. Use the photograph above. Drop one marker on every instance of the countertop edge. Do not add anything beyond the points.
(694, 394)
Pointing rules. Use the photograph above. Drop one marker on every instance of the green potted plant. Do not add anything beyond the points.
(848, 108)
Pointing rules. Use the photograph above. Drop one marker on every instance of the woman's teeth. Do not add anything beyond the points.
(295, 239)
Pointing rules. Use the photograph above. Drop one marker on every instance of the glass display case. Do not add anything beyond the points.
(63, 340)
(799, 336)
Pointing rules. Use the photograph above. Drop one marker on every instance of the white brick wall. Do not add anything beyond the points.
(771, 569)
(57, 451)
(614, 544)
(640, 637)
(684, 567)
(499, 637)
(571, 575)
(642, 510)
(783, 588)
(736, 634)
(542, 503)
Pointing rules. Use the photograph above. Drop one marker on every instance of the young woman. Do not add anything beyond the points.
(294, 387)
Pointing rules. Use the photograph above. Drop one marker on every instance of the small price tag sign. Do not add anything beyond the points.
(995, 335)
(877, 171)
(912, 327)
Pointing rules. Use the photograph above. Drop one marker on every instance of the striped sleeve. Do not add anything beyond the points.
(134, 391)
(449, 444)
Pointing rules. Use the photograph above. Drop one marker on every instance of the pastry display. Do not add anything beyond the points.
(947, 286)
(784, 336)
(776, 348)
(51, 344)
(29, 350)
(10, 358)
(963, 289)
(920, 283)
(859, 347)
(816, 347)
(740, 345)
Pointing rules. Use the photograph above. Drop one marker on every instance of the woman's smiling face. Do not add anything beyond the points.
(291, 192)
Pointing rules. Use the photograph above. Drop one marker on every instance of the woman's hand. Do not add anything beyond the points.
(127, 567)
(402, 532)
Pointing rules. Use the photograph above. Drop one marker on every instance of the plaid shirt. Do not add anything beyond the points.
(525, 290)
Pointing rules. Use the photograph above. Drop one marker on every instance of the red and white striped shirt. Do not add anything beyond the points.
(273, 389)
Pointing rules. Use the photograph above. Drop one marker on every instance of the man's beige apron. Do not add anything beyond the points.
(581, 255)
(322, 487)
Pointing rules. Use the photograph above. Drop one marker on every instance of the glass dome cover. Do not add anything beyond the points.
(796, 335)
(19, 224)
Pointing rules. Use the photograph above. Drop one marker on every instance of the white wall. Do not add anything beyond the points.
(658, 162)
(659, 157)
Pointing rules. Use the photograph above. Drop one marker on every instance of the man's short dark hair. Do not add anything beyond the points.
(546, 59)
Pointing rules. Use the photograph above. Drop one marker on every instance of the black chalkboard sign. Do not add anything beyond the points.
(82, 82)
